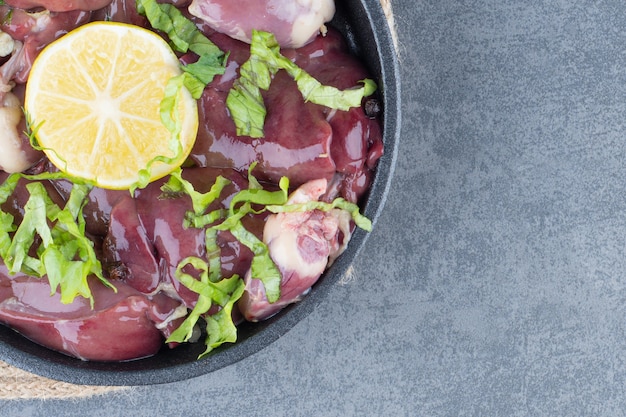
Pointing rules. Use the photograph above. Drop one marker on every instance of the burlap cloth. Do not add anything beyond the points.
(17, 384)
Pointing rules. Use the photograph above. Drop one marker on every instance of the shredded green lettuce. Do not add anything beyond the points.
(214, 291)
(263, 267)
(340, 203)
(242, 204)
(50, 240)
(170, 117)
(182, 32)
(211, 291)
(177, 185)
(245, 101)
(185, 36)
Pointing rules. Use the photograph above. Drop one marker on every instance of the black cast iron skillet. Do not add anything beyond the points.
(364, 25)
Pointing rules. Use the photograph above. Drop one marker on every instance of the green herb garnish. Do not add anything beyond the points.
(213, 290)
(246, 103)
(224, 293)
(184, 36)
(50, 240)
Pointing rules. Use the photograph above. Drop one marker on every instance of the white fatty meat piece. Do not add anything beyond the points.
(294, 22)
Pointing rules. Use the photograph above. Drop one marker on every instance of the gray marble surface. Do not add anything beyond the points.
(495, 282)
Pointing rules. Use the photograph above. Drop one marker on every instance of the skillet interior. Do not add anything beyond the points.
(364, 24)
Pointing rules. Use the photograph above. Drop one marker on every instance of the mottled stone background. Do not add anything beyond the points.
(495, 282)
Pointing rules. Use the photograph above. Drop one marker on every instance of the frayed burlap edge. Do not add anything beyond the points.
(17, 384)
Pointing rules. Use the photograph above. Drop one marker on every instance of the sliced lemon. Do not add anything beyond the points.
(94, 97)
